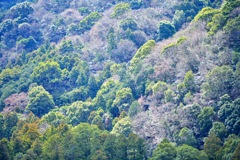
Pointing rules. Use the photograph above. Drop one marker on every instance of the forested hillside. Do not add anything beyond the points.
(120, 79)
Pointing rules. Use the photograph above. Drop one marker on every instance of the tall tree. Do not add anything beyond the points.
(211, 145)
(164, 151)
(5, 150)
(165, 30)
(10, 120)
(206, 119)
(47, 74)
(40, 101)
(219, 81)
(186, 152)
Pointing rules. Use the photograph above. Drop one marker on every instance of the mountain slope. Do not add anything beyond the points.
(119, 79)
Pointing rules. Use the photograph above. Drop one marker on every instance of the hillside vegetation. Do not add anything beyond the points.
(120, 80)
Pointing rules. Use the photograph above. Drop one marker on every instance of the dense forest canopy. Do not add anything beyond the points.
(120, 79)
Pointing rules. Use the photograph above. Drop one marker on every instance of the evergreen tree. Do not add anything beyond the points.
(41, 102)
(165, 30)
(5, 150)
(164, 151)
(211, 145)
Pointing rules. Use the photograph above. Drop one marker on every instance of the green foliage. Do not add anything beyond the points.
(79, 74)
(229, 6)
(6, 25)
(229, 113)
(164, 151)
(219, 81)
(98, 121)
(84, 10)
(119, 70)
(166, 48)
(122, 127)
(29, 44)
(216, 24)
(139, 82)
(223, 18)
(188, 98)
(138, 38)
(6, 150)
(136, 147)
(186, 136)
(24, 136)
(236, 154)
(111, 40)
(21, 10)
(230, 148)
(47, 74)
(99, 102)
(94, 85)
(9, 74)
(89, 21)
(192, 111)
(142, 52)
(24, 29)
(10, 121)
(66, 46)
(182, 91)
(109, 146)
(54, 118)
(235, 60)
(216, 3)
(186, 152)
(172, 45)
(120, 9)
(40, 101)
(36, 149)
(191, 8)
(165, 30)
(169, 95)
(76, 94)
(159, 87)
(134, 109)
(123, 99)
(206, 14)
(225, 107)
(237, 80)
(77, 112)
(1, 126)
(233, 29)
(205, 119)
(179, 19)
(135, 4)
(108, 91)
(189, 82)
(211, 145)
(106, 87)
(128, 24)
(86, 141)
(219, 130)
(181, 40)
(99, 155)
